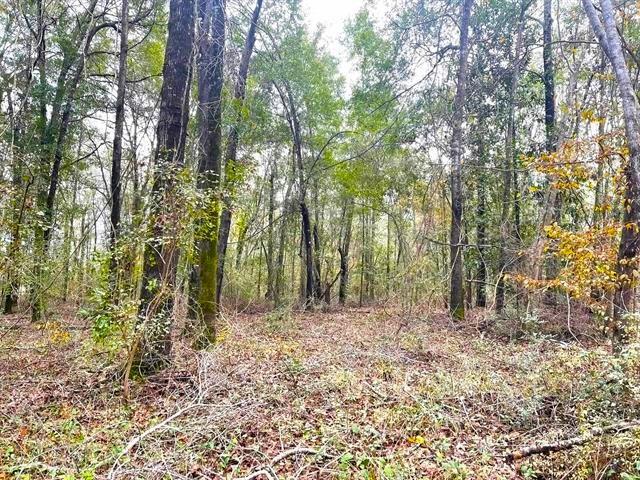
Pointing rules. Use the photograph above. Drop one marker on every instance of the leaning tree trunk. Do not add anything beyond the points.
(307, 256)
(230, 157)
(161, 252)
(609, 39)
(456, 294)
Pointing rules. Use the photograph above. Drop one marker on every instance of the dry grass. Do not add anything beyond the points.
(375, 394)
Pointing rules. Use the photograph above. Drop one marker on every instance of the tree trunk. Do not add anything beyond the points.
(116, 158)
(161, 253)
(481, 224)
(598, 213)
(609, 39)
(269, 295)
(18, 205)
(284, 222)
(505, 228)
(456, 294)
(362, 259)
(211, 39)
(343, 250)
(54, 135)
(230, 158)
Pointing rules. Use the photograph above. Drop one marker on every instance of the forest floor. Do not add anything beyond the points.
(353, 393)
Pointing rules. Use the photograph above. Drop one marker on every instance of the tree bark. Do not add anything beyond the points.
(210, 64)
(161, 253)
(116, 158)
(456, 294)
(481, 224)
(343, 250)
(269, 295)
(284, 222)
(54, 136)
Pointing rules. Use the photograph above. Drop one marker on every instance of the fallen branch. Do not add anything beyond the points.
(270, 473)
(572, 442)
(294, 451)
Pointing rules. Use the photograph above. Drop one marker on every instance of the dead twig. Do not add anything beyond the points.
(136, 440)
(270, 473)
(572, 442)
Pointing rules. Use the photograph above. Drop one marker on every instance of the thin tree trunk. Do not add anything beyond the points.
(18, 205)
(456, 294)
(230, 158)
(362, 259)
(505, 228)
(284, 222)
(481, 224)
(343, 250)
(69, 235)
(598, 213)
(116, 158)
(269, 295)
(54, 134)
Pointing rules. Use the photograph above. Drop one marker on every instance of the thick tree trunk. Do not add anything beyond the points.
(161, 253)
(456, 294)
(211, 40)
(609, 39)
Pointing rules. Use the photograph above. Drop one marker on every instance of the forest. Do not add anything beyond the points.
(312, 239)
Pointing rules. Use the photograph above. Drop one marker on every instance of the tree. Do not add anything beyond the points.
(116, 160)
(153, 349)
(510, 156)
(231, 172)
(609, 39)
(456, 295)
(211, 40)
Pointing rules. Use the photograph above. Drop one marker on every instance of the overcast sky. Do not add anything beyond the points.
(333, 16)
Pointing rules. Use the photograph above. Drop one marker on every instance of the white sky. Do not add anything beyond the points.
(333, 16)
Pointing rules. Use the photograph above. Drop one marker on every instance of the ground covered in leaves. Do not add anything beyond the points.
(354, 393)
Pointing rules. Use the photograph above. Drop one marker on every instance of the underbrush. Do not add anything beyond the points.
(346, 394)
